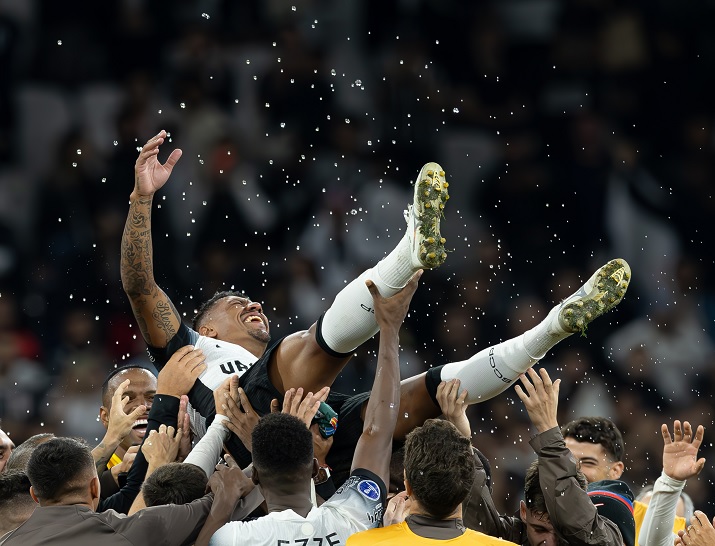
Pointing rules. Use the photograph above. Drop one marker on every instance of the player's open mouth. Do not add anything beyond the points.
(139, 427)
(253, 318)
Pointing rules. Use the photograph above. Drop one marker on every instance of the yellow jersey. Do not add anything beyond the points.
(639, 515)
(400, 533)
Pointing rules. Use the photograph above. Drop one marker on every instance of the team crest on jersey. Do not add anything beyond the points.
(369, 489)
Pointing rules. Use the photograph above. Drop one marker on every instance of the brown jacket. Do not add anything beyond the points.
(570, 509)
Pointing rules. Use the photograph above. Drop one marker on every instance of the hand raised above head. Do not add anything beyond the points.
(453, 405)
(541, 398)
(680, 453)
(304, 407)
(149, 174)
(391, 312)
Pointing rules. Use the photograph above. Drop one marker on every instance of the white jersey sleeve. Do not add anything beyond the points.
(361, 498)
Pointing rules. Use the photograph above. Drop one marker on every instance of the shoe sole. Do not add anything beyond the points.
(430, 197)
(608, 286)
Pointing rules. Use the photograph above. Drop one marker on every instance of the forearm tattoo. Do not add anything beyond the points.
(163, 313)
(137, 268)
(137, 272)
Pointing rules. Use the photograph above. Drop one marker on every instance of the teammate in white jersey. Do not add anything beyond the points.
(283, 462)
(234, 333)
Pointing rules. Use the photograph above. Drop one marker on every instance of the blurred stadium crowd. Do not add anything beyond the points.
(571, 133)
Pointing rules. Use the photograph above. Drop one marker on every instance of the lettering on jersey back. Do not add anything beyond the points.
(330, 539)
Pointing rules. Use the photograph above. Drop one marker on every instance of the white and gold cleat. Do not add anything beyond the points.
(601, 293)
(423, 217)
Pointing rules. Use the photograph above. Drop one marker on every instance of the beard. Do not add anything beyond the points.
(260, 335)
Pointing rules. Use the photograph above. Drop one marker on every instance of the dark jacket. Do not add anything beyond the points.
(570, 509)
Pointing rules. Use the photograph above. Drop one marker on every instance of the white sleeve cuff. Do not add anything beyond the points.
(667, 483)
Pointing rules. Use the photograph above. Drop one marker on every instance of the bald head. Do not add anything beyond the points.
(140, 391)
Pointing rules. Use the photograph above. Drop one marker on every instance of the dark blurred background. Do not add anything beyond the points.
(571, 132)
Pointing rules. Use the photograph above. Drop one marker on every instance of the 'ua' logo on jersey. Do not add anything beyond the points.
(230, 368)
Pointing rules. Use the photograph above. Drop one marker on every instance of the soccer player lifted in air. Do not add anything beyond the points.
(234, 333)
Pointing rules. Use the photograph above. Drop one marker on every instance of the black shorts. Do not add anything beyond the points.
(260, 392)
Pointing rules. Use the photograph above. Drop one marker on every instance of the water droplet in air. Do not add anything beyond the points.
(353, 212)
(79, 152)
(59, 42)
(116, 143)
(455, 110)
(333, 72)
(293, 8)
(183, 105)
(74, 164)
(205, 15)
(347, 120)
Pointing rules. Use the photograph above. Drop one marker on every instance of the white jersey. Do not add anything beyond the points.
(222, 360)
(356, 506)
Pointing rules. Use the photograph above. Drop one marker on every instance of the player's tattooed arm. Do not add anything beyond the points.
(156, 315)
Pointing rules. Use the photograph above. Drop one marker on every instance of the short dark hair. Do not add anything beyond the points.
(14, 490)
(21, 454)
(597, 430)
(174, 483)
(55, 466)
(534, 496)
(439, 466)
(106, 396)
(282, 446)
(209, 303)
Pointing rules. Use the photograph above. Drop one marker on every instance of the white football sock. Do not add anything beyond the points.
(493, 370)
(545, 335)
(350, 320)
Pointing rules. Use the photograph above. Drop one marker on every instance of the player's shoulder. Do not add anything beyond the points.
(392, 534)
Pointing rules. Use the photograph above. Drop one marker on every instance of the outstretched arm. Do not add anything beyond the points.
(156, 315)
(680, 463)
(573, 515)
(374, 447)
